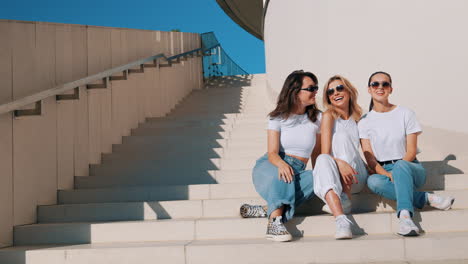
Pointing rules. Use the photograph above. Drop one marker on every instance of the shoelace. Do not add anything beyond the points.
(256, 210)
(278, 225)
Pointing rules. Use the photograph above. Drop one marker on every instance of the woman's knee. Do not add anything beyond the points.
(376, 182)
(402, 165)
(324, 158)
(325, 167)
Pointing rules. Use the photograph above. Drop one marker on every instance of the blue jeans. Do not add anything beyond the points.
(407, 177)
(278, 193)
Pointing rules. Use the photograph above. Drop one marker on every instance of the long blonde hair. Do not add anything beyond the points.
(355, 111)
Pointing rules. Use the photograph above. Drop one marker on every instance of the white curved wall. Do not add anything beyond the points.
(422, 43)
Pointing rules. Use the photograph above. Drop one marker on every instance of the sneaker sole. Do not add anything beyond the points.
(343, 237)
(282, 238)
(452, 200)
(410, 234)
(328, 211)
(243, 214)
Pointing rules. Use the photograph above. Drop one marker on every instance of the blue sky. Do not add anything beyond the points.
(187, 15)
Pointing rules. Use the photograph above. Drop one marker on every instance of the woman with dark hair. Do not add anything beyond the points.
(389, 136)
(339, 170)
(293, 138)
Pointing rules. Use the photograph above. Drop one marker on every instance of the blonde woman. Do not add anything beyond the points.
(339, 170)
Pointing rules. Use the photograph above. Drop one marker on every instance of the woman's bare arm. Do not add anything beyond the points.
(326, 129)
(371, 160)
(285, 172)
(316, 151)
(411, 147)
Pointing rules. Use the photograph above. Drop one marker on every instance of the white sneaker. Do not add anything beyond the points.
(439, 202)
(343, 227)
(407, 227)
(345, 204)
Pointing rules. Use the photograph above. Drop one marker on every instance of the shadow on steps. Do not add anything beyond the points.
(179, 148)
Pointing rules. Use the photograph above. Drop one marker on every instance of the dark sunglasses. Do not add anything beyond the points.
(311, 88)
(376, 85)
(338, 88)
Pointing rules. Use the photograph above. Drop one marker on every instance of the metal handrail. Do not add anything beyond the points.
(225, 62)
(63, 88)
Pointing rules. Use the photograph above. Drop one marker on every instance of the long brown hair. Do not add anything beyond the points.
(355, 111)
(288, 99)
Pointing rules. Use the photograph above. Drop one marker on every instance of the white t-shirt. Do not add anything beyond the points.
(297, 134)
(387, 131)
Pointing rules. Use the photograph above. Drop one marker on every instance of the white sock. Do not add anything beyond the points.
(340, 217)
(405, 214)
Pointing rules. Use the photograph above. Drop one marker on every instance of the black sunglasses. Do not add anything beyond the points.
(338, 88)
(311, 88)
(376, 85)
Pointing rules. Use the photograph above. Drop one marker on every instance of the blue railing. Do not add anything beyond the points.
(216, 62)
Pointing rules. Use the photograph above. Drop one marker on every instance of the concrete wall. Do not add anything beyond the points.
(422, 43)
(40, 154)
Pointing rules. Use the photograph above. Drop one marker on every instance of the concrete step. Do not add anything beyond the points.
(362, 202)
(258, 127)
(200, 173)
(248, 145)
(200, 118)
(244, 152)
(187, 123)
(150, 153)
(380, 248)
(209, 176)
(226, 228)
(191, 161)
(157, 193)
(96, 212)
(147, 210)
(436, 171)
(170, 131)
(195, 167)
(145, 145)
(173, 153)
(218, 132)
(233, 176)
(200, 112)
(227, 173)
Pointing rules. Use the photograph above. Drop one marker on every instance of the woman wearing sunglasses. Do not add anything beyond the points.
(389, 136)
(293, 138)
(340, 170)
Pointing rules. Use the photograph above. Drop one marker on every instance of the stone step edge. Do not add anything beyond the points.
(200, 225)
(315, 249)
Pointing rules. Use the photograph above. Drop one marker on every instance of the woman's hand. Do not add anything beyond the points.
(389, 174)
(348, 173)
(285, 172)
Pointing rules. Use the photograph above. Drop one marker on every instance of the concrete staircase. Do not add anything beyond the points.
(171, 194)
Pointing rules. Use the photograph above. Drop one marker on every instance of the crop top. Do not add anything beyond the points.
(297, 134)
